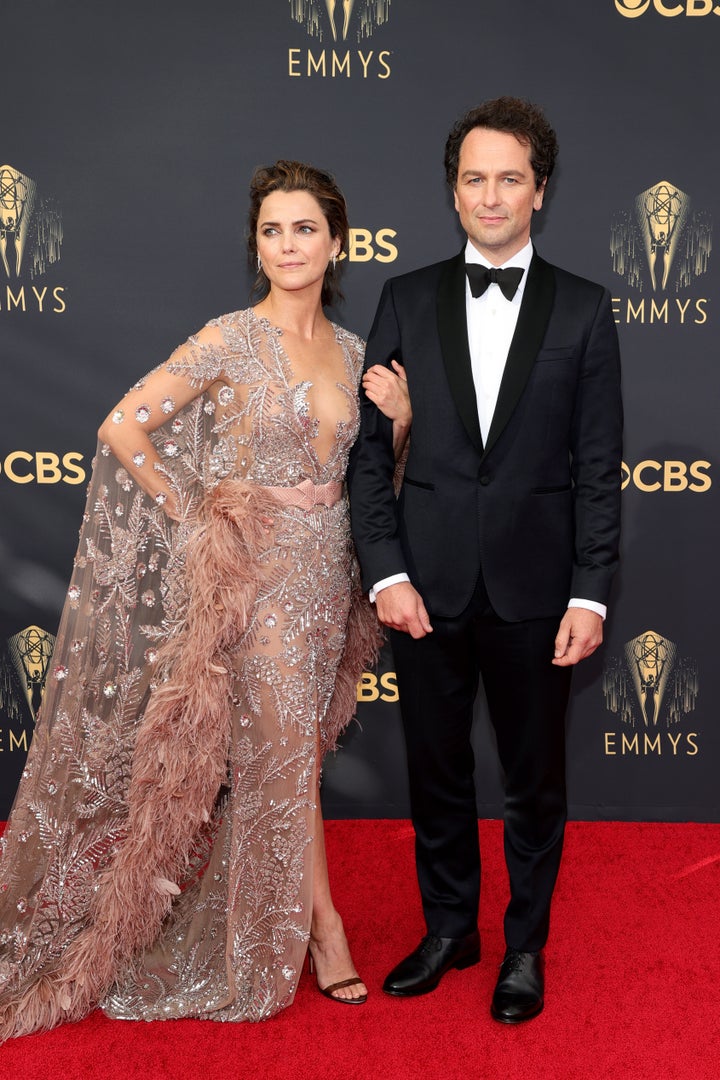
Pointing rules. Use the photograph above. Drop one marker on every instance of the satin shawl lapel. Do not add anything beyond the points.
(532, 323)
(452, 328)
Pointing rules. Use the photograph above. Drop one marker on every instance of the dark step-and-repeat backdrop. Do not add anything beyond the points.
(129, 132)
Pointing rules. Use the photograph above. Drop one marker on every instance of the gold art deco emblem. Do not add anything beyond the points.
(30, 227)
(318, 15)
(650, 684)
(662, 240)
(23, 670)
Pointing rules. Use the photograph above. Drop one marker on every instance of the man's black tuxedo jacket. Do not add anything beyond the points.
(537, 509)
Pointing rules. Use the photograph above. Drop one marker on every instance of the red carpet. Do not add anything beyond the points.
(633, 980)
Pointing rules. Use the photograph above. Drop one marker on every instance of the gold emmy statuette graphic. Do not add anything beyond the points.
(674, 239)
(652, 680)
(31, 232)
(662, 211)
(347, 6)
(17, 199)
(651, 659)
(30, 652)
(372, 13)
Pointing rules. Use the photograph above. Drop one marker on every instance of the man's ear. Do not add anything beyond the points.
(539, 194)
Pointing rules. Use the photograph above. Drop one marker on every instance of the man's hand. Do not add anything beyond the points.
(579, 635)
(400, 607)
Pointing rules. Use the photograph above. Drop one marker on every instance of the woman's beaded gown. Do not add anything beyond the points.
(158, 860)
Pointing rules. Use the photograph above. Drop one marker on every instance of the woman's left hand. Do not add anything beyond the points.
(389, 391)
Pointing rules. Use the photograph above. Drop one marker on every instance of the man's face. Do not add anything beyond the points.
(495, 193)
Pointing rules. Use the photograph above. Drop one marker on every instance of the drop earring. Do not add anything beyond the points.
(259, 263)
(334, 261)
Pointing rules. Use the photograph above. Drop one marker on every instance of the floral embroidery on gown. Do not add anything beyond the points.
(158, 859)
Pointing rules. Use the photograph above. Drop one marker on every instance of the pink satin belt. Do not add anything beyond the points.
(307, 494)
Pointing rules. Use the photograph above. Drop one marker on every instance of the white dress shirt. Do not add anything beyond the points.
(491, 321)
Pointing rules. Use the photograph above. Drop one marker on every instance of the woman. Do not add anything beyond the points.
(165, 854)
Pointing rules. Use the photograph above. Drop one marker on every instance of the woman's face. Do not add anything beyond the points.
(293, 240)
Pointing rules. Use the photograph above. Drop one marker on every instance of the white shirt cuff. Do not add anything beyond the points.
(386, 581)
(590, 605)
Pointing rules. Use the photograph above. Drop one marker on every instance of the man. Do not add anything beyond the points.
(497, 557)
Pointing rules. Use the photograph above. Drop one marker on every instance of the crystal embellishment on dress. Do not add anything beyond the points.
(161, 498)
(60, 672)
(138, 459)
(142, 414)
(167, 405)
(226, 395)
(118, 416)
(170, 448)
(124, 480)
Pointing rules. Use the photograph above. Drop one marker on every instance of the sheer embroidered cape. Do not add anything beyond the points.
(159, 854)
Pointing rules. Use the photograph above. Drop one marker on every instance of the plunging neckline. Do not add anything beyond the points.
(293, 384)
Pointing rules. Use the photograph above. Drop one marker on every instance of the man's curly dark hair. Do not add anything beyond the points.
(516, 117)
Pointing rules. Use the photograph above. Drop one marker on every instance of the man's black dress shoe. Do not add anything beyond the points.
(422, 970)
(519, 991)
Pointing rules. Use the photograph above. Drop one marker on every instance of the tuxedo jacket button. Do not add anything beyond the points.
(484, 479)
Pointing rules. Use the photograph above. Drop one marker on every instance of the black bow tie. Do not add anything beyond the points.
(482, 276)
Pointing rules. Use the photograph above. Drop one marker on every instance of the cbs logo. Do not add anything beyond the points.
(364, 246)
(43, 467)
(370, 687)
(667, 476)
(632, 9)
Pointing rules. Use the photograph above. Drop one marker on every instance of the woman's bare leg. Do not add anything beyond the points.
(328, 944)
